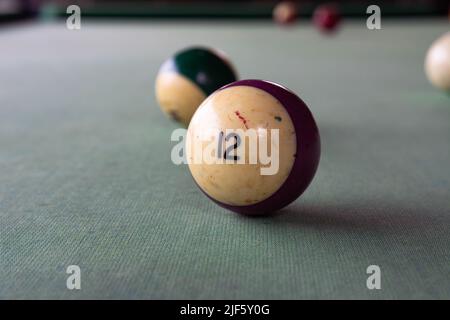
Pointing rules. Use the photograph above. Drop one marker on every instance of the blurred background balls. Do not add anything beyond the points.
(285, 13)
(326, 18)
(437, 62)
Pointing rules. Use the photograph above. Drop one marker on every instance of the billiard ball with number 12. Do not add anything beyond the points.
(257, 111)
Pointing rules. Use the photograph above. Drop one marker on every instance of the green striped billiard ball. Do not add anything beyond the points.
(186, 79)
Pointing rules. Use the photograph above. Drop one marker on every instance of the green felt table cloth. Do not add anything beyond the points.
(86, 177)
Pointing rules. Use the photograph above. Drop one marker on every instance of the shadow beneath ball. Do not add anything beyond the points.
(363, 217)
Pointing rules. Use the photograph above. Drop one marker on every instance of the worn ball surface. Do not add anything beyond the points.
(187, 78)
(437, 62)
(262, 106)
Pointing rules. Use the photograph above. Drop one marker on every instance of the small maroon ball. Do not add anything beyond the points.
(285, 13)
(326, 17)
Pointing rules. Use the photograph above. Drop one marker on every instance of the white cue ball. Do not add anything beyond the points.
(437, 62)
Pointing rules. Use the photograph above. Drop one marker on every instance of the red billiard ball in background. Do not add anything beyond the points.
(326, 17)
(285, 13)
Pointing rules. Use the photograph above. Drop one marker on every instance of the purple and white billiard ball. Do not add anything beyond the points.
(236, 122)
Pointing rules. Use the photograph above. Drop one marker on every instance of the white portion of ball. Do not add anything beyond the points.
(178, 96)
(437, 62)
